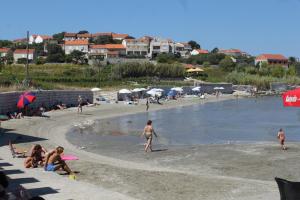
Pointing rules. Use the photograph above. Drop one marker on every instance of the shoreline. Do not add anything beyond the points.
(56, 127)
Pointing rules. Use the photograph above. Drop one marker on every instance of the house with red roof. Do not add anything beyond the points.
(272, 59)
(22, 53)
(119, 36)
(199, 52)
(39, 38)
(136, 47)
(80, 45)
(107, 50)
(232, 52)
(3, 52)
(70, 36)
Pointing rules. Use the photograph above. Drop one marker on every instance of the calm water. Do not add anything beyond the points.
(242, 120)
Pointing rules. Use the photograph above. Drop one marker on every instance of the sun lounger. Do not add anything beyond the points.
(16, 153)
(288, 190)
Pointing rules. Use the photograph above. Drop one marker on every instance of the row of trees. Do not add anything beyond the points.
(135, 70)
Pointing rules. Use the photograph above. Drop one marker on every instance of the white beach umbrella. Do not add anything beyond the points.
(196, 89)
(157, 89)
(125, 91)
(177, 89)
(138, 89)
(95, 89)
(154, 93)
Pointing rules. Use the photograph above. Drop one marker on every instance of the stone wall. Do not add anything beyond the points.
(48, 98)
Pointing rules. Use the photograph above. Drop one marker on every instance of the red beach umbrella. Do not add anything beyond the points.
(291, 98)
(26, 99)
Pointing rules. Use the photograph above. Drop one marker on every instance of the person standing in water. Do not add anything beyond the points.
(80, 102)
(281, 138)
(148, 133)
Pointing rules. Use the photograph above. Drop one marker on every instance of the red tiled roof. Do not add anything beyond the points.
(120, 35)
(86, 35)
(44, 37)
(4, 50)
(271, 57)
(77, 42)
(230, 51)
(102, 34)
(202, 51)
(107, 46)
(70, 34)
(20, 40)
(24, 51)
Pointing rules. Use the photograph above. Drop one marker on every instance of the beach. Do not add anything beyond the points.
(211, 171)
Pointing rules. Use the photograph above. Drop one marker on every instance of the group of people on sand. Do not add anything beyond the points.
(50, 161)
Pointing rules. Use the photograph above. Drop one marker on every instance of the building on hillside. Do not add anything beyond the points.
(70, 36)
(84, 36)
(136, 47)
(119, 36)
(94, 35)
(183, 48)
(3, 52)
(80, 45)
(199, 52)
(39, 38)
(159, 45)
(232, 52)
(272, 59)
(107, 50)
(20, 41)
(22, 53)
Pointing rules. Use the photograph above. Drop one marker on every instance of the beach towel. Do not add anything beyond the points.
(69, 157)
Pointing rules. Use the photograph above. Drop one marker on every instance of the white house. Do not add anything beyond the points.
(159, 45)
(80, 45)
(3, 52)
(136, 47)
(119, 36)
(70, 36)
(199, 51)
(39, 38)
(107, 50)
(22, 53)
(183, 49)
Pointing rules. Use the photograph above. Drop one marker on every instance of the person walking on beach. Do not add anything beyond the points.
(80, 102)
(281, 138)
(148, 134)
(147, 104)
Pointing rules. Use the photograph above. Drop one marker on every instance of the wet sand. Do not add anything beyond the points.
(229, 171)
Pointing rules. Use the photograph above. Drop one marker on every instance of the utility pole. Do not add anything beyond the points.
(26, 81)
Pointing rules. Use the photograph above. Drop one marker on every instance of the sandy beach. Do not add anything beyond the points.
(227, 171)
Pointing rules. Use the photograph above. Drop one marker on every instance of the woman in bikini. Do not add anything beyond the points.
(36, 156)
(148, 133)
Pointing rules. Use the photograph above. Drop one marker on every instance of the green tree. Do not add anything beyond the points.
(6, 43)
(215, 50)
(227, 64)
(194, 44)
(103, 39)
(291, 71)
(55, 54)
(77, 57)
(292, 60)
(9, 58)
(59, 37)
(83, 32)
(277, 71)
(166, 58)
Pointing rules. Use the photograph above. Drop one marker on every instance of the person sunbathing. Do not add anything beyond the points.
(54, 162)
(36, 157)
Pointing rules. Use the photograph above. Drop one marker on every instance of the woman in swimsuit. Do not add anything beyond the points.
(148, 133)
(36, 157)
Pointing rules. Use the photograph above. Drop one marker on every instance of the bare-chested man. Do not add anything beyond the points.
(54, 162)
(148, 133)
(281, 137)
